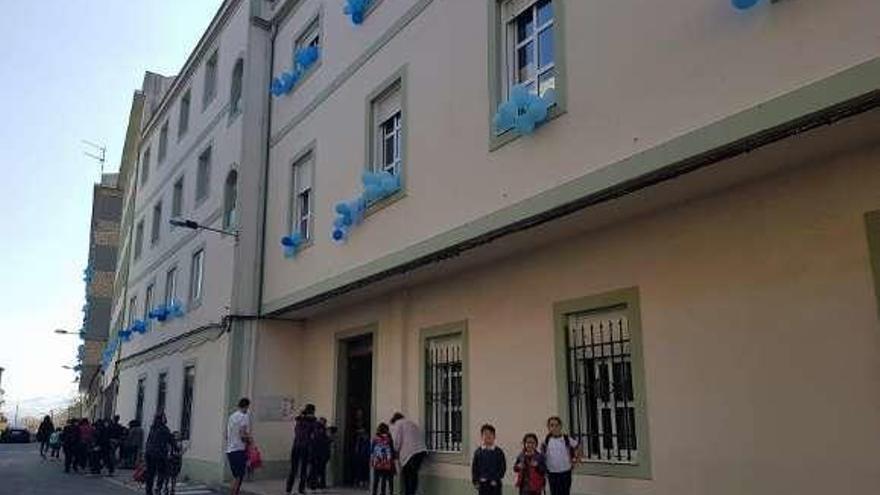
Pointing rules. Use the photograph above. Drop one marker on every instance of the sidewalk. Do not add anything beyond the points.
(276, 487)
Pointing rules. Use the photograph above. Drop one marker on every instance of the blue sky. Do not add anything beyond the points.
(67, 73)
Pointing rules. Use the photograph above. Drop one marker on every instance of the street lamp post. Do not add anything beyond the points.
(192, 224)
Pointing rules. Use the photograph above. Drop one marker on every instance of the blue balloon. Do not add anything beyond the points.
(744, 4)
(339, 234)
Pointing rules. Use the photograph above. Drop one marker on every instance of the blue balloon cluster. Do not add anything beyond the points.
(357, 9)
(303, 59)
(159, 313)
(109, 351)
(291, 244)
(88, 274)
(348, 215)
(139, 326)
(175, 309)
(377, 186)
(523, 111)
(744, 4)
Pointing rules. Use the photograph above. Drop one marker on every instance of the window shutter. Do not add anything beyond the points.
(388, 104)
(303, 179)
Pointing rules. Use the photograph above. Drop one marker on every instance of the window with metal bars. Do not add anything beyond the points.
(601, 398)
(139, 401)
(189, 381)
(444, 375)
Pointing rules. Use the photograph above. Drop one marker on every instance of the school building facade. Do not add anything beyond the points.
(680, 260)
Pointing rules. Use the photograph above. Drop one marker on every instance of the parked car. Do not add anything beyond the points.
(15, 435)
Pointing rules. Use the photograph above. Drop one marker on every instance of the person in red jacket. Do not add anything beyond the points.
(530, 467)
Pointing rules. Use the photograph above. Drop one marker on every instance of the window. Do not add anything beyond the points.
(530, 45)
(387, 132)
(196, 279)
(148, 302)
(183, 122)
(163, 142)
(138, 239)
(311, 35)
(525, 48)
(157, 224)
(210, 89)
(139, 401)
(302, 198)
(444, 393)
(161, 392)
(236, 88)
(170, 286)
(230, 200)
(132, 307)
(203, 175)
(189, 382)
(604, 402)
(177, 199)
(145, 167)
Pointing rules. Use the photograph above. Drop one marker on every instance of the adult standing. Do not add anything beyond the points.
(409, 445)
(85, 444)
(70, 445)
(117, 435)
(156, 453)
(107, 444)
(305, 426)
(43, 433)
(134, 442)
(238, 436)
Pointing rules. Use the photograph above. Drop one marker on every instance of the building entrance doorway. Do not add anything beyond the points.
(354, 408)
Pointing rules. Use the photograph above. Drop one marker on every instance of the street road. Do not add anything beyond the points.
(23, 472)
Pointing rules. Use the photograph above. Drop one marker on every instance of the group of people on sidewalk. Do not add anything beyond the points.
(400, 445)
(537, 466)
(87, 446)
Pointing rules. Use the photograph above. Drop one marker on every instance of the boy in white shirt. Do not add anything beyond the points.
(238, 436)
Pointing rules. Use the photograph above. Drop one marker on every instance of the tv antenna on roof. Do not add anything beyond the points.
(100, 153)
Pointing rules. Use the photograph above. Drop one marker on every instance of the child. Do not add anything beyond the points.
(55, 442)
(175, 462)
(560, 452)
(489, 464)
(530, 467)
(382, 460)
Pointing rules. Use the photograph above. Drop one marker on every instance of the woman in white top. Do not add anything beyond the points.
(560, 452)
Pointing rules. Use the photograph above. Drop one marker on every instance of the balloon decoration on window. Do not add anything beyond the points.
(125, 334)
(292, 244)
(377, 186)
(523, 111)
(88, 274)
(159, 313)
(303, 60)
(357, 9)
(175, 309)
(744, 4)
(139, 326)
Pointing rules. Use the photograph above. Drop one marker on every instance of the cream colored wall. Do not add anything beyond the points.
(760, 332)
(639, 74)
(209, 414)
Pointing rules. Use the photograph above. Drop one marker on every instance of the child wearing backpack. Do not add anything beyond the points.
(382, 460)
(530, 467)
(55, 442)
(560, 452)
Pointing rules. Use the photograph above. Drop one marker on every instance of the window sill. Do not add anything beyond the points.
(385, 202)
(497, 141)
(459, 459)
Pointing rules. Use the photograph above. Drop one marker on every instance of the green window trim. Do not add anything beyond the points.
(496, 44)
(398, 77)
(630, 299)
(872, 230)
(426, 335)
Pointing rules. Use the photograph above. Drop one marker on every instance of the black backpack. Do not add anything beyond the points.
(572, 454)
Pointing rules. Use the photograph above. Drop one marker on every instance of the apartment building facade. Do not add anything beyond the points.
(98, 278)
(174, 285)
(676, 260)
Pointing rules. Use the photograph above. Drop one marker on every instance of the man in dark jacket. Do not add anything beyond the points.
(70, 445)
(156, 452)
(43, 434)
(303, 437)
